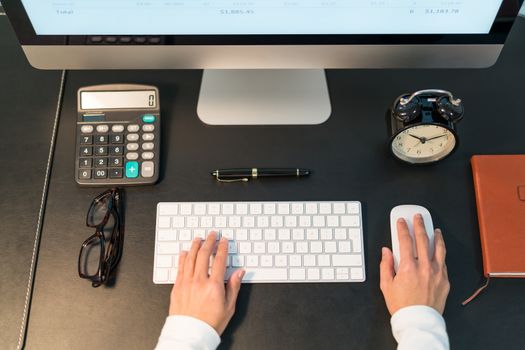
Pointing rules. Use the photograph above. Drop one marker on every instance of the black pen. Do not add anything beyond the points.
(243, 174)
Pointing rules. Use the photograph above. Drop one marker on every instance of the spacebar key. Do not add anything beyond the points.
(256, 275)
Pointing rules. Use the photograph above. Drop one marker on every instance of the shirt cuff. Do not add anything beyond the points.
(185, 332)
(419, 327)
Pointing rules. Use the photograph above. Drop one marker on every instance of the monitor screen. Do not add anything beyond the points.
(261, 17)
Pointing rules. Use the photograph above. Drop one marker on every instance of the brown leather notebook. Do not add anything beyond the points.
(499, 182)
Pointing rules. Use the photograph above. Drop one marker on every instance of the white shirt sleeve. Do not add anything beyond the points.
(419, 327)
(187, 333)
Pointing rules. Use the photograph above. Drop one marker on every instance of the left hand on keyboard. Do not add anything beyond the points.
(200, 294)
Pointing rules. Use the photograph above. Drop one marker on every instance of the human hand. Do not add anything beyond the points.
(201, 295)
(418, 281)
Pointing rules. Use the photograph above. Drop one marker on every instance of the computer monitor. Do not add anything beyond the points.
(264, 59)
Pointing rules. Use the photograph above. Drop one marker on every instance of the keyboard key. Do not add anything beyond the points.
(312, 234)
(132, 146)
(259, 247)
(255, 208)
(327, 274)
(227, 233)
(284, 234)
(342, 274)
(86, 129)
(148, 146)
(101, 139)
(295, 260)
(340, 233)
(350, 221)
(241, 235)
(199, 209)
(347, 260)
(297, 274)
(276, 221)
(311, 208)
(166, 235)
(116, 150)
(263, 221)
(168, 209)
(356, 273)
(232, 247)
(305, 221)
(266, 261)
(323, 260)
(148, 137)
(298, 234)
(161, 275)
(132, 137)
(313, 274)
(332, 221)
(133, 128)
(84, 174)
(101, 174)
(301, 247)
(283, 208)
(344, 247)
(297, 208)
(326, 234)
(281, 260)
(164, 261)
(101, 151)
(255, 234)
(117, 128)
(168, 248)
(227, 209)
(101, 162)
(252, 261)
(237, 261)
(273, 274)
(339, 208)
(353, 208)
(116, 161)
(245, 247)
(86, 140)
(288, 247)
(269, 208)
(316, 247)
(273, 247)
(248, 221)
(325, 208)
(116, 173)
(86, 151)
(270, 234)
(102, 128)
(330, 247)
(318, 221)
(164, 221)
(309, 260)
(85, 162)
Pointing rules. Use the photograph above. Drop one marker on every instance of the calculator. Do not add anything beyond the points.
(118, 135)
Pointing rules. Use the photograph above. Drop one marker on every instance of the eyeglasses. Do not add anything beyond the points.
(101, 252)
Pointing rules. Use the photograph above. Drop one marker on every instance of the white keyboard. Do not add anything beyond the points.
(275, 242)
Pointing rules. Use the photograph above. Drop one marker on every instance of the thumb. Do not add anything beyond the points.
(386, 267)
(233, 287)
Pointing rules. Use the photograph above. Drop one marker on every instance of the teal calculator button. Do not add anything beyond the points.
(132, 170)
(148, 118)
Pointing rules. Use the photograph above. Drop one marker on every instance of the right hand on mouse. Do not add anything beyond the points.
(419, 281)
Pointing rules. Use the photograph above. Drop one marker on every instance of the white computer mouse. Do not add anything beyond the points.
(407, 212)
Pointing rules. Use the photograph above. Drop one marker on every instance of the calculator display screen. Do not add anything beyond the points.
(99, 100)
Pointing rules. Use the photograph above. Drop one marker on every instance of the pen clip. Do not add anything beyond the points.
(244, 179)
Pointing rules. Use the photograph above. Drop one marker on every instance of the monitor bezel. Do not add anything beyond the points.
(497, 35)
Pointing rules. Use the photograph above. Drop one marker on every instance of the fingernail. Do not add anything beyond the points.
(400, 220)
(241, 274)
(438, 230)
(419, 216)
(383, 251)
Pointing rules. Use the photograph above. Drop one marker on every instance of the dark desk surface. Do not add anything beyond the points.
(350, 160)
(28, 99)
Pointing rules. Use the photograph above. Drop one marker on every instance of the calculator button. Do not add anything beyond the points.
(132, 170)
(101, 162)
(115, 173)
(132, 146)
(84, 174)
(133, 128)
(148, 127)
(148, 137)
(117, 138)
(148, 155)
(86, 129)
(132, 156)
(101, 150)
(101, 173)
(117, 128)
(86, 140)
(102, 128)
(85, 162)
(148, 118)
(101, 139)
(148, 169)
(116, 150)
(133, 137)
(86, 151)
(116, 161)
(148, 146)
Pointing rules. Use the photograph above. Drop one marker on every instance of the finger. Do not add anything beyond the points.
(191, 257)
(406, 245)
(386, 268)
(440, 250)
(218, 270)
(180, 270)
(420, 234)
(202, 265)
(232, 289)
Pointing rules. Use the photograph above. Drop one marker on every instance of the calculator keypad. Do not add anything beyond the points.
(120, 153)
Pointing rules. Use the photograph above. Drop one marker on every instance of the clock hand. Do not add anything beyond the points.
(436, 137)
(416, 137)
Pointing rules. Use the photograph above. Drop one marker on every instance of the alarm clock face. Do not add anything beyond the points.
(423, 143)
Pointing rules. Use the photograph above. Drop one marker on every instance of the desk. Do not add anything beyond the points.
(68, 314)
(28, 98)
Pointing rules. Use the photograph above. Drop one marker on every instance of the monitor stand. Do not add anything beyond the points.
(264, 97)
